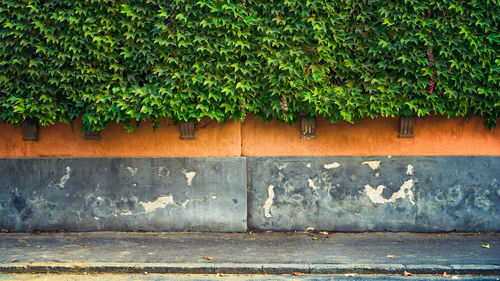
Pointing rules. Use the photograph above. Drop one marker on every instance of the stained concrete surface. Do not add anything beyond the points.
(123, 194)
(188, 277)
(251, 248)
(374, 193)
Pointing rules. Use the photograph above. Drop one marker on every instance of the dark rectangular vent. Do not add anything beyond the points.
(307, 127)
(30, 130)
(406, 125)
(187, 130)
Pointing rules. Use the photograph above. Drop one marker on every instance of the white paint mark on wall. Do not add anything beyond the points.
(373, 164)
(190, 176)
(185, 203)
(132, 171)
(333, 165)
(375, 195)
(409, 170)
(269, 201)
(126, 213)
(283, 166)
(64, 178)
(311, 184)
(161, 202)
(163, 172)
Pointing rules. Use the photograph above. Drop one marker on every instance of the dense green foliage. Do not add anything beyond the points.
(129, 60)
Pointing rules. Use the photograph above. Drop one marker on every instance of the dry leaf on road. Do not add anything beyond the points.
(390, 256)
(208, 258)
(406, 273)
(323, 232)
(446, 275)
(487, 246)
(297, 273)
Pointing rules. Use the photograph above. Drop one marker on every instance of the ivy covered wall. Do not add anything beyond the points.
(126, 61)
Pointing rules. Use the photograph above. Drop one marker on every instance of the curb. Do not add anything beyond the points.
(244, 268)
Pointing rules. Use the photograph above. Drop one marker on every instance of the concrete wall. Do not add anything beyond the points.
(375, 193)
(351, 193)
(443, 179)
(154, 194)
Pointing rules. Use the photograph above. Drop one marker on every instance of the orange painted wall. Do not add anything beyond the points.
(60, 140)
(433, 136)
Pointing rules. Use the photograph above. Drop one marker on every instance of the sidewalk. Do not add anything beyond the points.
(251, 253)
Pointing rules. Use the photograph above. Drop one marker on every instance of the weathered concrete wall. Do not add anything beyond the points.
(344, 193)
(156, 194)
(374, 193)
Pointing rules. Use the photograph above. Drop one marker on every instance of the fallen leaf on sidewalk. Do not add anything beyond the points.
(323, 232)
(406, 273)
(390, 256)
(487, 246)
(297, 273)
(399, 240)
(446, 275)
(208, 258)
(221, 275)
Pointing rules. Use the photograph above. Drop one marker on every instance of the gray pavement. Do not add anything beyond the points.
(241, 277)
(252, 253)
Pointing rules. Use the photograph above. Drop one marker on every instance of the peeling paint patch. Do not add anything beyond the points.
(409, 170)
(132, 171)
(333, 165)
(190, 176)
(282, 166)
(163, 172)
(269, 201)
(126, 213)
(311, 184)
(373, 164)
(375, 195)
(64, 178)
(161, 202)
(185, 203)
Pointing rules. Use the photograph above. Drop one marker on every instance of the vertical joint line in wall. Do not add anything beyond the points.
(247, 191)
(241, 138)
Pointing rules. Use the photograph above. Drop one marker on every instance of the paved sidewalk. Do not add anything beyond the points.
(251, 253)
